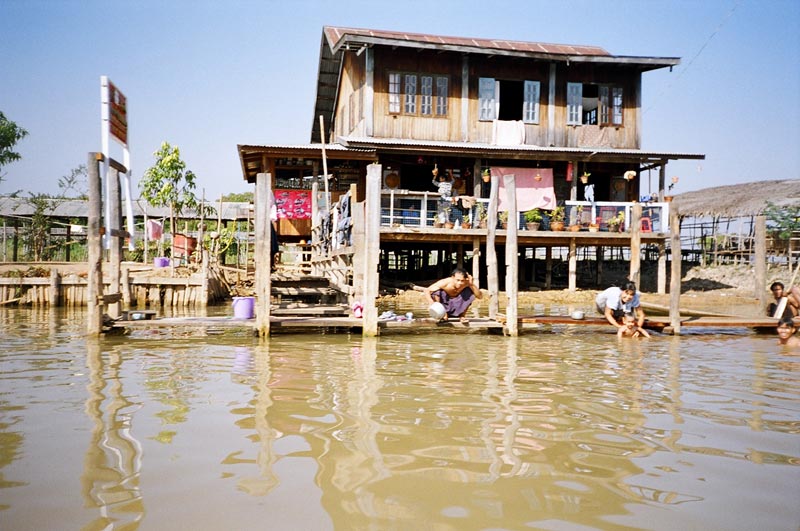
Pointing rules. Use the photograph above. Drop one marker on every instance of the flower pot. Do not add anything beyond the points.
(668, 198)
(448, 224)
(556, 225)
(575, 228)
(532, 225)
(594, 228)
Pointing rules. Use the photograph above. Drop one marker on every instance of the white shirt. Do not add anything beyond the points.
(610, 298)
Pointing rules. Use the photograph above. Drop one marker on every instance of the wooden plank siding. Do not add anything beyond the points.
(350, 111)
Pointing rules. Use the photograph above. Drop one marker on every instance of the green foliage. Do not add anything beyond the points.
(75, 184)
(10, 134)
(533, 215)
(557, 214)
(36, 235)
(242, 197)
(784, 219)
(168, 183)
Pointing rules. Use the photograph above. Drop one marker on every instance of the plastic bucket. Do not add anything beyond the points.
(244, 307)
(160, 261)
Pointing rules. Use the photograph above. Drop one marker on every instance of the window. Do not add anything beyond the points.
(410, 92)
(508, 100)
(425, 95)
(394, 93)
(590, 104)
(441, 95)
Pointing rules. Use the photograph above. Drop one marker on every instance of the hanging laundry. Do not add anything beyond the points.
(154, 230)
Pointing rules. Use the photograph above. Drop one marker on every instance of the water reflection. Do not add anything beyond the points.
(556, 429)
(113, 462)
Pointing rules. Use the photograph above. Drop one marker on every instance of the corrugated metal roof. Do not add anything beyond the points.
(79, 208)
(471, 147)
(251, 156)
(338, 36)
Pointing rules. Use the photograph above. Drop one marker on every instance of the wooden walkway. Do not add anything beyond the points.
(303, 324)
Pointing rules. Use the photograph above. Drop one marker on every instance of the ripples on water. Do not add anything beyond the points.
(558, 429)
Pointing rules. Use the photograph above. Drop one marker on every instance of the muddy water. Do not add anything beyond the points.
(557, 429)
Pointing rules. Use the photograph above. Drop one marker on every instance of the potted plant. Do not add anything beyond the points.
(486, 175)
(502, 217)
(616, 224)
(557, 218)
(533, 218)
(585, 177)
(481, 214)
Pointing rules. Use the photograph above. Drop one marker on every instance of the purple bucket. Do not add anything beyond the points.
(161, 261)
(244, 307)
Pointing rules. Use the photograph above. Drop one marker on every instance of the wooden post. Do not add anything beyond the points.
(512, 263)
(760, 280)
(636, 244)
(372, 224)
(675, 279)
(115, 250)
(548, 265)
(94, 242)
(476, 267)
(662, 268)
(55, 284)
(359, 247)
(492, 280)
(263, 245)
(572, 262)
(125, 285)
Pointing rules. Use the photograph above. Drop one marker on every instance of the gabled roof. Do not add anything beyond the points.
(336, 40)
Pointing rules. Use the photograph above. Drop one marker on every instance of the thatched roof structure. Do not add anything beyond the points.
(738, 200)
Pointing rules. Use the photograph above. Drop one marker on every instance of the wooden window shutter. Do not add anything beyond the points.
(487, 100)
(530, 104)
(574, 103)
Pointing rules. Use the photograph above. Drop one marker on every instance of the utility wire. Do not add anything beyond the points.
(696, 55)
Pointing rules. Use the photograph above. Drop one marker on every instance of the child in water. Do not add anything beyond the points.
(630, 328)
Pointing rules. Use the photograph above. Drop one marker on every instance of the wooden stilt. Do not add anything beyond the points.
(636, 244)
(675, 279)
(94, 249)
(263, 246)
(372, 219)
(512, 264)
(492, 274)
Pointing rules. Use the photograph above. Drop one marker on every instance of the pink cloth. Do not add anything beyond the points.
(531, 193)
(154, 230)
(293, 204)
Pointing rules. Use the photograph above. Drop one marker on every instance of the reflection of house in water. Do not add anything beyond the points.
(113, 464)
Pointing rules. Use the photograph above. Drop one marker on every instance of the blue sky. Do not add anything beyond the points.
(206, 76)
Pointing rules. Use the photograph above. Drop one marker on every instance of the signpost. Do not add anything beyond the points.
(114, 124)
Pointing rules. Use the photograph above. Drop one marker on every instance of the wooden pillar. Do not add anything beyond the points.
(572, 263)
(662, 268)
(662, 172)
(68, 247)
(263, 245)
(55, 285)
(113, 224)
(492, 279)
(372, 226)
(476, 267)
(636, 244)
(125, 286)
(598, 262)
(760, 287)
(548, 264)
(94, 239)
(359, 247)
(512, 263)
(15, 241)
(675, 279)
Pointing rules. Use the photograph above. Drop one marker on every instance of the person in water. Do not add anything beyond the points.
(455, 292)
(615, 302)
(786, 330)
(630, 329)
(792, 307)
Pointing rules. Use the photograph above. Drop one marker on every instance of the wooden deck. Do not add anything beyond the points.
(303, 324)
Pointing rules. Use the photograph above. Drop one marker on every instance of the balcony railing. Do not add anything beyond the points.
(424, 209)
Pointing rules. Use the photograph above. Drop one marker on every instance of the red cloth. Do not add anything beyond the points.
(531, 193)
(293, 204)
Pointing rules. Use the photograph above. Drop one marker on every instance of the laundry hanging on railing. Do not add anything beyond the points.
(534, 188)
(154, 230)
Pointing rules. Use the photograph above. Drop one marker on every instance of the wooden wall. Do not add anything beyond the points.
(350, 112)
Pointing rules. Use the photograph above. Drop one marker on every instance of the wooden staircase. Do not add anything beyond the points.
(307, 296)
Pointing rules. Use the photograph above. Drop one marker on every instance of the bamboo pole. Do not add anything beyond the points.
(492, 280)
(675, 279)
(512, 263)
(760, 286)
(324, 165)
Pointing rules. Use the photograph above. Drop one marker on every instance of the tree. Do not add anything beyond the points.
(169, 184)
(10, 134)
(75, 184)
